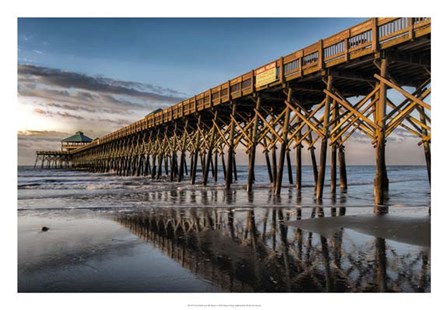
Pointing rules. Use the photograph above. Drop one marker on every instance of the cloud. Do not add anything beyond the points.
(70, 107)
(70, 91)
(73, 80)
(57, 114)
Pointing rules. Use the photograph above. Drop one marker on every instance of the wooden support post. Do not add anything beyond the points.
(334, 152)
(160, 165)
(274, 165)
(147, 165)
(299, 167)
(299, 162)
(37, 157)
(132, 161)
(123, 165)
(212, 167)
(186, 168)
(313, 160)
(253, 150)
(288, 162)
(182, 165)
(154, 168)
(183, 162)
(223, 162)
(173, 165)
(166, 161)
(127, 164)
(281, 162)
(173, 155)
(235, 171)
(191, 162)
(136, 165)
(380, 177)
(210, 149)
(333, 169)
(324, 144)
(202, 157)
(426, 145)
(117, 165)
(216, 167)
(176, 165)
(140, 164)
(196, 152)
(230, 151)
(342, 169)
(268, 165)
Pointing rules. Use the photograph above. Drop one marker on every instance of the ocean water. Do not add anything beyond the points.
(108, 233)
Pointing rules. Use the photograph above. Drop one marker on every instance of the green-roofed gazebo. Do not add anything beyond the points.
(75, 141)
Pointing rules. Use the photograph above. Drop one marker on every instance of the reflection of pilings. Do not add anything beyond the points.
(423, 282)
(285, 249)
(381, 265)
(326, 260)
(250, 250)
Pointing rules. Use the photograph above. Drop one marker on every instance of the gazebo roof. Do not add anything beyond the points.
(78, 137)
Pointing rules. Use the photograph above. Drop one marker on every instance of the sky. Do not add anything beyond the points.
(100, 74)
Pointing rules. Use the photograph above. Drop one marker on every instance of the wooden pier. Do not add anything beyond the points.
(53, 159)
(62, 158)
(321, 94)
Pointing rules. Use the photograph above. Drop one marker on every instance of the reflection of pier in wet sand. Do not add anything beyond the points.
(264, 249)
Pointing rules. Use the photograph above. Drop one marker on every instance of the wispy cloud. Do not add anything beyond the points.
(61, 93)
(73, 80)
(57, 114)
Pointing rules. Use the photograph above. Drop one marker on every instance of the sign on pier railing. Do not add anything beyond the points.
(265, 75)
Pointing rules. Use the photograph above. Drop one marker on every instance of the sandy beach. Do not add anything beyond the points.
(87, 252)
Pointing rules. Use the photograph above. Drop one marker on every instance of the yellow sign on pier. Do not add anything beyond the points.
(265, 75)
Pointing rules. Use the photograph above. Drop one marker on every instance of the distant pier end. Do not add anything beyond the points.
(62, 158)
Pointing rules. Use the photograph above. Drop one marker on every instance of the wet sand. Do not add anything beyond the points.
(213, 249)
(409, 230)
(84, 251)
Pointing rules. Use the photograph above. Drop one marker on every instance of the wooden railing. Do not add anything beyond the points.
(365, 38)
